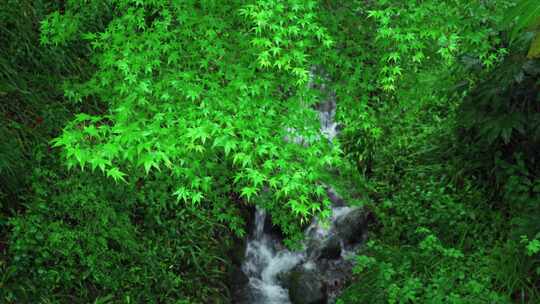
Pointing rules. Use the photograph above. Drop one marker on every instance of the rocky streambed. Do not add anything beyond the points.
(271, 274)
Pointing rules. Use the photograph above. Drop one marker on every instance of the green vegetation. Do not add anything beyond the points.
(134, 135)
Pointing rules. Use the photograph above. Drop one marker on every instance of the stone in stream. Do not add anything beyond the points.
(237, 252)
(351, 227)
(271, 229)
(331, 249)
(238, 282)
(306, 286)
(335, 275)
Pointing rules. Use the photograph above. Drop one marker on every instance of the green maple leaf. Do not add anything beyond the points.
(197, 197)
(116, 174)
(248, 192)
(182, 193)
(256, 177)
(99, 162)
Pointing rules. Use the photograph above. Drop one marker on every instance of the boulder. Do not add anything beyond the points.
(237, 277)
(330, 249)
(306, 286)
(271, 229)
(351, 227)
(244, 295)
(313, 248)
(284, 279)
(336, 274)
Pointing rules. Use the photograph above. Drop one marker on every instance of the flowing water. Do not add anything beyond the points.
(265, 256)
(264, 261)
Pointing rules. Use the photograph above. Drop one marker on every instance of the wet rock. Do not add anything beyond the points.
(284, 279)
(237, 252)
(306, 286)
(340, 127)
(238, 283)
(351, 227)
(313, 249)
(271, 229)
(331, 249)
(244, 295)
(335, 274)
(247, 212)
(237, 277)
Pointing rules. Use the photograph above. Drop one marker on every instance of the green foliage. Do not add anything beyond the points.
(124, 240)
(430, 273)
(499, 123)
(409, 36)
(525, 14)
(31, 107)
(436, 237)
(171, 116)
(88, 240)
(502, 109)
(437, 205)
(285, 33)
(197, 116)
(432, 225)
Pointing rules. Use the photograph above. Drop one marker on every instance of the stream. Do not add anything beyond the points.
(276, 275)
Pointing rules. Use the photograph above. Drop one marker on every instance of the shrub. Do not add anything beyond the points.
(87, 239)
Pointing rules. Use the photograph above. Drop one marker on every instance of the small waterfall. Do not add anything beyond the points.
(260, 218)
(264, 261)
(266, 258)
(327, 114)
